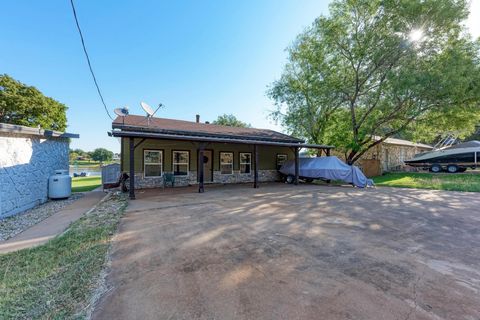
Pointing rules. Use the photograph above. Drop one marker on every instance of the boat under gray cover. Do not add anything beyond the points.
(329, 168)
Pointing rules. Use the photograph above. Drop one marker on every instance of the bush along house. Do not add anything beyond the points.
(201, 153)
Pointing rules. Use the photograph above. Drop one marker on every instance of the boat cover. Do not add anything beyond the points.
(330, 168)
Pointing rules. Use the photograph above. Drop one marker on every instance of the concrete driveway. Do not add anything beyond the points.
(306, 252)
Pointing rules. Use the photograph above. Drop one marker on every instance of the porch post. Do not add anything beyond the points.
(297, 161)
(200, 170)
(255, 166)
(132, 168)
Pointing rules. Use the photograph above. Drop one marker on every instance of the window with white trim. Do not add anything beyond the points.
(245, 162)
(226, 162)
(180, 162)
(281, 158)
(152, 163)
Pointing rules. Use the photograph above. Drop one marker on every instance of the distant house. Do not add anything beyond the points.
(200, 153)
(28, 156)
(390, 155)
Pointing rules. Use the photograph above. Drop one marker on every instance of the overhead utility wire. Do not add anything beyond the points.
(88, 60)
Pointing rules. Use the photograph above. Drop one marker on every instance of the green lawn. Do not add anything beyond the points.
(437, 181)
(56, 280)
(84, 184)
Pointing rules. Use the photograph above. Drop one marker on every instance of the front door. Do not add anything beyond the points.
(207, 166)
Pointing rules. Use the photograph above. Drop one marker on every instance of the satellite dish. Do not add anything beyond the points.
(147, 109)
(121, 112)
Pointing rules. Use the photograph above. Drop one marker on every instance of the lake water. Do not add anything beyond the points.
(90, 171)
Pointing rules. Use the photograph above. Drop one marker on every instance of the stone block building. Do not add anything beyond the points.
(28, 156)
(389, 156)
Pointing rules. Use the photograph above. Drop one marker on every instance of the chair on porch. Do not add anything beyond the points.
(168, 178)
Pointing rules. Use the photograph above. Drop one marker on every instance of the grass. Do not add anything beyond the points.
(57, 280)
(438, 181)
(84, 184)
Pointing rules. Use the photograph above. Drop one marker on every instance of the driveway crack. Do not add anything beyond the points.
(415, 296)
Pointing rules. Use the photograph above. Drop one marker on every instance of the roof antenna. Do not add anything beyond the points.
(149, 110)
(121, 112)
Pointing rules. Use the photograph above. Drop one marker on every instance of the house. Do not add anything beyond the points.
(200, 153)
(28, 157)
(390, 155)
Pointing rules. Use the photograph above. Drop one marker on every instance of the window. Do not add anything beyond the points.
(152, 163)
(226, 162)
(245, 162)
(281, 158)
(180, 162)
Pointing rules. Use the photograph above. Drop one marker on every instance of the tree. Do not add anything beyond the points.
(25, 105)
(102, 155)
(231, 121)
(73, 156)
(381, 68)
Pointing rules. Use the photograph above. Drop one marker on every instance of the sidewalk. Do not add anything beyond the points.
(53, 225)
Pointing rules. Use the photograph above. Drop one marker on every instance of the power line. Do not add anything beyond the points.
(88, 60)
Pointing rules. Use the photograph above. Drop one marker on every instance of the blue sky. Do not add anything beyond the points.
(205, 57)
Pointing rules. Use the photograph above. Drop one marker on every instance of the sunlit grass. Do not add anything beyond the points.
(437, 181)
(84, 184)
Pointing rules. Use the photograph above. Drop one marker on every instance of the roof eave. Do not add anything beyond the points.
(18, 129)
(141, 129)
(155, 135)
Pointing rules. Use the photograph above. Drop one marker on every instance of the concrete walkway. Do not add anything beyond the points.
(53, 225)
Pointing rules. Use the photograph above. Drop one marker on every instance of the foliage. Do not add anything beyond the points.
(231, 121)
(102, 155)
(84, 184)
(25, 105)
(73, 156)
(381, 68)
(438, 181)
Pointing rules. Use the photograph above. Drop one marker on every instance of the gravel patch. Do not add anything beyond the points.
(13, 225)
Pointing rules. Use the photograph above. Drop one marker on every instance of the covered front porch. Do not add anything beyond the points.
(155, 150)
(252, 162)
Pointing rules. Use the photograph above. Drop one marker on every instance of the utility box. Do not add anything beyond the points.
(110, 174)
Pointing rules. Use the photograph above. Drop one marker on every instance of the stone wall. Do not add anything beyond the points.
(390, 156)
(26, 162)
(191, 179)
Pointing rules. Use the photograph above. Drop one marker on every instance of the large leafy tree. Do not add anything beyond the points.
(102, 155)
(381, 68)
(231, 121)
(26, 105)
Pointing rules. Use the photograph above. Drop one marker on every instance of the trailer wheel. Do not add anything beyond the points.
(290, 179)
(462, 169)
(436, 168)
(451, 168)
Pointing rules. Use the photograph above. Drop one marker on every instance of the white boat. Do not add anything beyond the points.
(456, 158)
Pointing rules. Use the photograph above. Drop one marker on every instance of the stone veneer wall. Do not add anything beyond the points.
(191, 179)
(26, 162)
